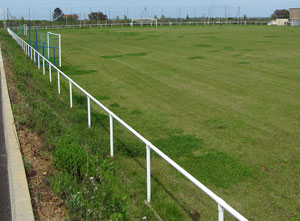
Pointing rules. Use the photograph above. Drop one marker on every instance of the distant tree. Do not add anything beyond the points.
(97, 16)
(273, 17)
(283, 13)
(57, 14)
(187, 17)
(163, 17)
(125, 17)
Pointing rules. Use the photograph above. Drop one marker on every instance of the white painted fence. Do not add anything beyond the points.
(168, 23)
(37, 58)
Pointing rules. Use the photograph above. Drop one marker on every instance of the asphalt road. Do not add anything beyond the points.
(5, 212)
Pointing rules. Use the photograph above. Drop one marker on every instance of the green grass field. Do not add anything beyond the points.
(222, 101)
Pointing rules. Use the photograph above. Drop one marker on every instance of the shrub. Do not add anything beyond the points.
(71, 158)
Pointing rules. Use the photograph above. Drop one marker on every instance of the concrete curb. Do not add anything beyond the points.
(20, 201)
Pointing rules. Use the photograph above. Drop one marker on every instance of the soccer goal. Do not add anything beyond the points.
(22, 30)
(25, 29)
(144, 21)
(53, 43)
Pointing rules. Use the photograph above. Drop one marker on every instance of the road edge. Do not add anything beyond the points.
(21, 208)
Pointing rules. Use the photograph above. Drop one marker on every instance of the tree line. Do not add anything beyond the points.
(58, 15)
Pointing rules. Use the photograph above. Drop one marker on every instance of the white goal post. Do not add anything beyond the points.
(59, 45)
(25, 29)
(146, 21)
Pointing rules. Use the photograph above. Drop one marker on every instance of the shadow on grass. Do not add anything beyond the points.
(75, 70)
(155, 179)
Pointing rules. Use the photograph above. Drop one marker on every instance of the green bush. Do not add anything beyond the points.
(71, 158)
(63, 184)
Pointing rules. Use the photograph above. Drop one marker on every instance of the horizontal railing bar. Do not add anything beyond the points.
(212, 195)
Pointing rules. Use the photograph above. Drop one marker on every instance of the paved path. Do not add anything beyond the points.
(5, 212)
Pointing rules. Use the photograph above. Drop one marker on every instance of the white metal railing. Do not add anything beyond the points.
(36, 57)
(161, 23)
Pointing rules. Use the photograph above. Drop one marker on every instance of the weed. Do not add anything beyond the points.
(112, 56)
(296, 218)
(71, 158)
(271, 36)
(79, 99)
(195, 57)
(137, 54)
(130, 149)
(115, 105)
(102, 97)
(203, 46)
(243, 62)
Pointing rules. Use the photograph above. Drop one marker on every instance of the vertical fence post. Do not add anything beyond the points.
(71, 100)
(148, 174)
(44, 66)
(38, 60)
(54, 56)
(48, 45)
(221, 213)
(89, 111)
(58, 82)
(111, 136)
(34, 56)
(31, 53)
(59, 39)
(49, 66)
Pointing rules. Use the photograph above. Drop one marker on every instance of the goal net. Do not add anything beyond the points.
(144, 21)
(22, 30)
(54, 47)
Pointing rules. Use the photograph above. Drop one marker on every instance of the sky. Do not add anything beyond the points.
(42, 9)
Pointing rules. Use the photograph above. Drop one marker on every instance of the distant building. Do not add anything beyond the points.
(295, 16)
(73, 17)
(279, 22)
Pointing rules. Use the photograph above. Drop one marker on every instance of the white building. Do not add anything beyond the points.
(279, 22)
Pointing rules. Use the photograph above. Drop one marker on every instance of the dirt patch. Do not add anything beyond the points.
(37, 161)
